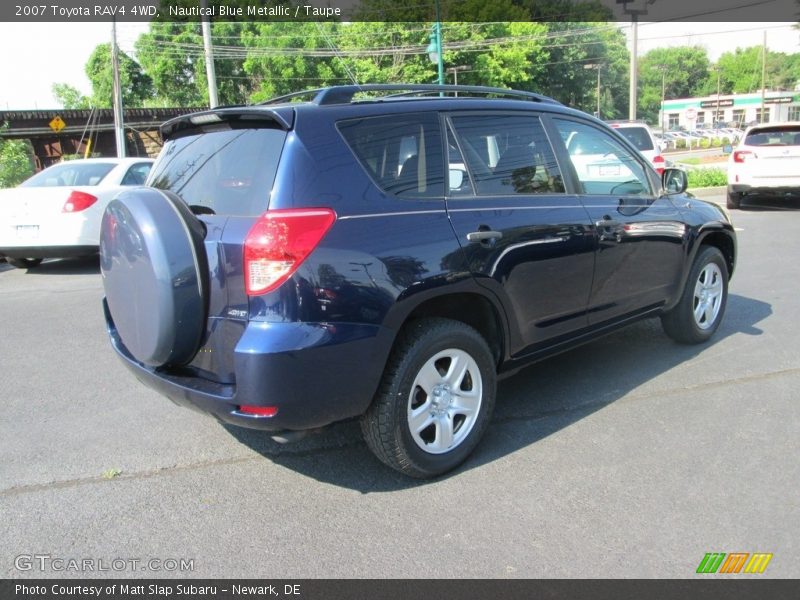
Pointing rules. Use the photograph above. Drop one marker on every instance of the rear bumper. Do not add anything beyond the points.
(314, 373)
(762, 189)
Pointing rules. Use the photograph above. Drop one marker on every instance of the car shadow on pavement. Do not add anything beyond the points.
(536, 402)
(767, 204)
(84, 265)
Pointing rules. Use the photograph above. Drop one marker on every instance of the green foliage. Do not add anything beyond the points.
(680, 144)
(137, 87)
(712, 177)
(15, 161)
(682, 70)
(70, 97)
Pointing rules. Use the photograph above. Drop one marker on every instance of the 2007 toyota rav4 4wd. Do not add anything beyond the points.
(386, 252)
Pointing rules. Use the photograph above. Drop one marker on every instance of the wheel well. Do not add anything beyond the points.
(472, 309)
(724, 244)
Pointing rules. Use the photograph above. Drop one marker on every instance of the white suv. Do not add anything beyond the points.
(766, 162)
(639, 134)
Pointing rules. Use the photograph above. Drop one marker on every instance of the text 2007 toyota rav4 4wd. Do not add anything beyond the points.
(386, 252)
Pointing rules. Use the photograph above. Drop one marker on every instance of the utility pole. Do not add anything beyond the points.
(635, 13)
(716, 114)
(663, 69)
(119, 125)
(763, 76)
(211, 75)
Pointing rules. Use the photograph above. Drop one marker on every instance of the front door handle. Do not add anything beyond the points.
(484, 235)
(608, 223)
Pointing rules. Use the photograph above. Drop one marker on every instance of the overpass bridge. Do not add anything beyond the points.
(54, 133)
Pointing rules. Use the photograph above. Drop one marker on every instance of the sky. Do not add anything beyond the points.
(27, 76)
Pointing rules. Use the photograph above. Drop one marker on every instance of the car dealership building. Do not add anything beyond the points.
(738, 109)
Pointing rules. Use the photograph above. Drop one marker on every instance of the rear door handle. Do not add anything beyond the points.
(484, 236)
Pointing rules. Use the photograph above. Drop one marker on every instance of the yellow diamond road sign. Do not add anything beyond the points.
(57, 124)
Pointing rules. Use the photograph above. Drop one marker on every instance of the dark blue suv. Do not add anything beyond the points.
(388, 251)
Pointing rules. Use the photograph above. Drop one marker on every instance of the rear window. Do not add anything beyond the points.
(638, 136)
(774, 136)
(70, 173)
(401, 153)
(227, 172)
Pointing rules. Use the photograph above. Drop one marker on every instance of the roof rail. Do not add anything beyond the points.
(343, 94)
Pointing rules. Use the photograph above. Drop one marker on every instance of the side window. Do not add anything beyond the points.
(602, 164)
(137, 174)
(401, 153)
(507, 154)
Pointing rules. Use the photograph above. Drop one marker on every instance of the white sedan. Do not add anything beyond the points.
(57, 212)
(765, 163)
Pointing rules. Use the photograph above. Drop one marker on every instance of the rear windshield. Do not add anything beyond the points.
(637, 136)
(70, 173)
(227, 172)
(774, 136)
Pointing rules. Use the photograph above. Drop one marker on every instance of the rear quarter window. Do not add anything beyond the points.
(228, 172)
(402, 154)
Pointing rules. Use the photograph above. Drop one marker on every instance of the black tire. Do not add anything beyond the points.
(386, 426)
(24, 263)
(681, 322)
(734, 200)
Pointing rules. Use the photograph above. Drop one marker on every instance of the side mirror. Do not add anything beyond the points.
(674, 181)
(456, 178)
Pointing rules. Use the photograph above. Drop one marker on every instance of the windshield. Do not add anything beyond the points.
(226, 172)
(637, 136)
(70, 173)
(774, 136)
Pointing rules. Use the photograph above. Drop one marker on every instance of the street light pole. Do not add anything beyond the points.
(635, 13)
(597, 66)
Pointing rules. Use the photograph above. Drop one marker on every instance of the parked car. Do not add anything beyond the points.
(383, 253)
(641, 136)
(57, 212)
(766, 162)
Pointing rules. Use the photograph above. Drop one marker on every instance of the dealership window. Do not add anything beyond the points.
(766, 115)
(738, 116)
(719, 117)
(701, 117)
(673, 120)
(794, 113)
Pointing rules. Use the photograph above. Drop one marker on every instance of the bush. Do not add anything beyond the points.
(680, 144)
(15, 162)
(705, 143)
(701, 178)
(716, 142)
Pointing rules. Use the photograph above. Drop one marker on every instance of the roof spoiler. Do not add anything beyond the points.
(242, 116)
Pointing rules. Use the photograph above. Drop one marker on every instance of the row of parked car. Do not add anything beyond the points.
(669, 140)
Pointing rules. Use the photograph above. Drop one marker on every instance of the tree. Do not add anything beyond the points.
(740, 71)
(172, 56)
(683, 70)
(15, 161)
(70, 97)
(136, 86)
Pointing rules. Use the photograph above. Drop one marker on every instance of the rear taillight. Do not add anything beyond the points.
(279, 242)
(259, 411)
(659, 163)
(78, 201)
(741, 155)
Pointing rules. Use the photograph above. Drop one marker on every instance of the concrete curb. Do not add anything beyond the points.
(708, 192)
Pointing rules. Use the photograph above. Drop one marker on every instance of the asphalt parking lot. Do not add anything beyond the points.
(629, 457)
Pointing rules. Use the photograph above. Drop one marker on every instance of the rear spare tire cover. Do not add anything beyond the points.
(155, 275)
